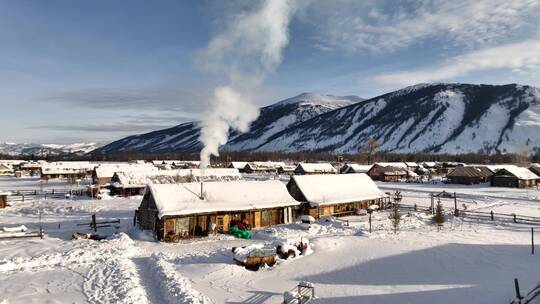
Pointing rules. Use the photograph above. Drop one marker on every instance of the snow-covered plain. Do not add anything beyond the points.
(468, 261)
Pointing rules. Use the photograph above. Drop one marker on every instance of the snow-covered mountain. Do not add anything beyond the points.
(272, 119)
(435, 118)
(10, 148)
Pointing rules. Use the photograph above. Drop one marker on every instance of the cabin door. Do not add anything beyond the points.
(201, 227)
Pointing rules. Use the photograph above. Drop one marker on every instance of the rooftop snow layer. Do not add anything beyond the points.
(183, 199)
(337, 188)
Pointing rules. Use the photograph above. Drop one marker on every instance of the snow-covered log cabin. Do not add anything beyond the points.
(176, 211)
(334, 194)
(134, 183)
(514, 177)
(314, 168)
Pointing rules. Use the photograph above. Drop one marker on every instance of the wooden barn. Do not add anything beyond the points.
(469, 175)
(386, 173)
(514, 177)
(176, 211)
(334, 194)
(314, 168)
(134, 183)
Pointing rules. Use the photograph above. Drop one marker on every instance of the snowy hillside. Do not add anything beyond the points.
(439, 118)
(272, 119)
(10, 148)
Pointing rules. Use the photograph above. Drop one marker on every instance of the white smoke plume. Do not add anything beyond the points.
(249, 47)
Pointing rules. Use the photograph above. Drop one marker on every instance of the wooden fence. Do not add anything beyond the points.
(21, 195)
(483, 215)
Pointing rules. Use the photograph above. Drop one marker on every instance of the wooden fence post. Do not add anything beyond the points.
(492, 216)
(518, 294)
(515, 217)
(456, 211)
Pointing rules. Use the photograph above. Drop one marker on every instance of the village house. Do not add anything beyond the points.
(134, 183)
(314, 168)
(514, 177)
(286, 169)
(177, 211)
(355, 168)
(469, 175)
(66, 170)
(262, 167)
(411, 166)
(387, 172)
(240, 165)
(176, 164)
(30, 168)
(334, 194)
(102, 173)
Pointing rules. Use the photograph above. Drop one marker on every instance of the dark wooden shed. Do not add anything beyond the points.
(469, 175)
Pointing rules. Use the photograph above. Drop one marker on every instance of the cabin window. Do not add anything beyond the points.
(181, 226)
(266, 216)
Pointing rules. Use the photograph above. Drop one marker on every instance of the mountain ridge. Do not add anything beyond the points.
(453, 118)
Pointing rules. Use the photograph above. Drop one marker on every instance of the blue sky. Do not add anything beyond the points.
(73, 71)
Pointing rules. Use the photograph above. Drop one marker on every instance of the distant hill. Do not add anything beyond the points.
(272, 119)
(9, 148)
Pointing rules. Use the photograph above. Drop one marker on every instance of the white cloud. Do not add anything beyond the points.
(516, 57)
(385, 25)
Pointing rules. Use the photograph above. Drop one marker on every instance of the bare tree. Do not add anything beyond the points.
(370, 148)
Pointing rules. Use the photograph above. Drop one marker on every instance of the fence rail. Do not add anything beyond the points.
(21, 195)
(525, 219)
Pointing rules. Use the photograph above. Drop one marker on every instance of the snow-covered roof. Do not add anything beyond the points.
(238, 164)
(471, 171)
(183, 199)
(337, 188)
(66, 167)
(393, 164)
(108, 170)
(519, 172)
(429, 164)
(316, 167)
(5, 168)
(140, 179)
(265, 164)
(411, 164)
(356, 168)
